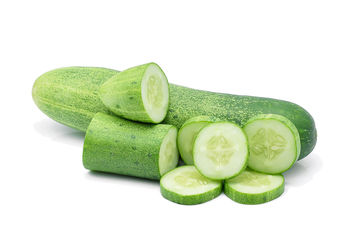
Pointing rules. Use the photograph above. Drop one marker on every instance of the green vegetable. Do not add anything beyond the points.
(71, 96)
(120, 146)
(185, 185)
(140, 93)
(187, 134)
(220, 150)
(252, 187)
(274, 143)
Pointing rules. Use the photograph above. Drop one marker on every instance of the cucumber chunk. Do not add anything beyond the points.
(220, 150)
(187, 135)
(116, 145)
(274, 143)
(140, 93)
(185, 185)
(251, 187)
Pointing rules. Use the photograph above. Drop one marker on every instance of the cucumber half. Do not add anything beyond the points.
(185, 185)
(251, 187)
(274, 143)
(187, 135)
(220, 150)
(140, 93)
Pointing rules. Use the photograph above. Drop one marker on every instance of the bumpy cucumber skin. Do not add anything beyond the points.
(291, 127)
(70, 95)
(76, 109)
(120, 146)
(190, 199)
(122, 94)
(189, 122)
(253, 199)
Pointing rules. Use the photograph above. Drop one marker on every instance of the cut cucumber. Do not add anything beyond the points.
(185, 185)
(220, 150)
(274, 143)
(251, 187)
(188, 133)
(120, 146)
(140, 93)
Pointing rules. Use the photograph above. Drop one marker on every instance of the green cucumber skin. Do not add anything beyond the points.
(253, 199)
(71, 100)
(120, 146)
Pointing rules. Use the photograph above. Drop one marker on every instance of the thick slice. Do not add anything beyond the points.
(251, 187)
(188, 133)
(71, 96)
(120, 146)
(140, 93)
(185, 185)
(220, 150)
(274, 143)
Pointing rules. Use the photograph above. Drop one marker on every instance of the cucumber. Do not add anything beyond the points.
(220, 151)
(188, 133)
(140, 93)
(274, 143)
(185, 185)
(71, 96)
(120, 146)
(251, 187)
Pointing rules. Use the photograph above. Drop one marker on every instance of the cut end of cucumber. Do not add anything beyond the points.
(251, 187)
(274, 143)
(185, 185)
(155, 92)
(168, 154)
(220, 150)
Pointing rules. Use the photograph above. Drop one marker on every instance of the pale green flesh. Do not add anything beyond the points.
(155, 93)
(187, 180)
(272, 144)
(186, 139)
(220, 150)
(168, 154)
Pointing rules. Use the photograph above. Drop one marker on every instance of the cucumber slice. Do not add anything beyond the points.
(185, 185)
(274, 143)
(188, 133)
(220, 150)
(140, 93)
(251, 187)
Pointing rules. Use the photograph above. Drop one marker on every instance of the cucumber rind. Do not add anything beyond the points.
(254, 198)
(244, 166)
(193, 120)
(292, 128)
(189, 199)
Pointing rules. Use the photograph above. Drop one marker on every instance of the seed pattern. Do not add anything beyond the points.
(190, 179)
(253, 179)
(268, 142)
(219, 150)
(154, 91)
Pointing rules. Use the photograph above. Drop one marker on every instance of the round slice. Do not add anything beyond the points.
(188, 133)
(140, 93)
(274, 143)
(220, 150)
(251, 187)
(185, 185)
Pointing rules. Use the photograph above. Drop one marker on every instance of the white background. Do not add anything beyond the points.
(293, 50)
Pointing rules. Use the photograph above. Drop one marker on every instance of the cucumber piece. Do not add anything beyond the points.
(188, 133)
(251, 187)
(274, 143)
(185, 185)
(221, 150)
(120, 146)
(71, 97)
(140, 93)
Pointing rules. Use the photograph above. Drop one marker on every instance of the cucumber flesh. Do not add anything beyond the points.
(274, 143)
(220, 150)
(185, 185)
(251, 187)
(168, 154)
(187, 135)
